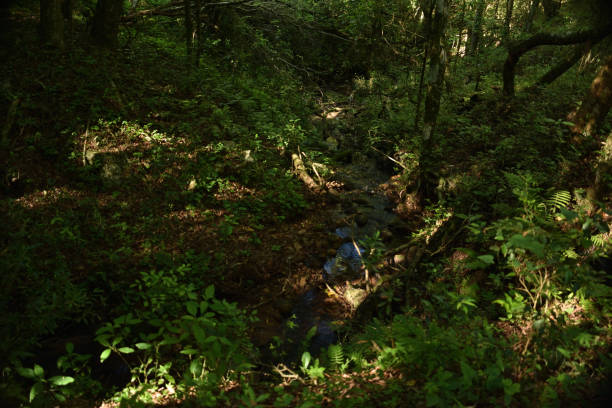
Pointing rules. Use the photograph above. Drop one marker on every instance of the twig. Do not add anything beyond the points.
(389, 157)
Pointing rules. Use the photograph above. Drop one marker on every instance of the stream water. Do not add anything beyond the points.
(362, 211)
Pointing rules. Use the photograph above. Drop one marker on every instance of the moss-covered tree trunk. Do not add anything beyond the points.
(603, 171)
(476, 32)
(437, 66)
(551, 8)
(105, 29)
(596, 103)
(507, 21)
(188, 27)
(533, 8)
(52, 23)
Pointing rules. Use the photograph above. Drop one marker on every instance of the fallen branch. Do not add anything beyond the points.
(389, 157)
(300, 168)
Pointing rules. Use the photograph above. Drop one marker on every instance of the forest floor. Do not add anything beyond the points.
(133, 182)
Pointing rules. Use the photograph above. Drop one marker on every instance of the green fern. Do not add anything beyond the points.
(599, 240)
(559, 199)
(336, 357)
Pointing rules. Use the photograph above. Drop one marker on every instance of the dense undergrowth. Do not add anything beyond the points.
(140, 190)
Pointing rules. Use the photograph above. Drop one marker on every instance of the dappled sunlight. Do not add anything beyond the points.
(305, 203)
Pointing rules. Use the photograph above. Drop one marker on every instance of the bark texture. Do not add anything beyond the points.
(105, 27)
(507, 21)
(551, 8)
(437, 67)
(566, 63)
(52, 23)
(476, 32)
(597, 102)
(531, 15)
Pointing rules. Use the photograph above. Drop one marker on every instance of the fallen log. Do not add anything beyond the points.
(302, 173)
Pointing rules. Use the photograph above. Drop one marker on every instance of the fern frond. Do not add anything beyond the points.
(336, 355)
(599, 240)
(559, 199)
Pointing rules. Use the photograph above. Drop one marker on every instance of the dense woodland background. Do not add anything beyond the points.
(171, 178)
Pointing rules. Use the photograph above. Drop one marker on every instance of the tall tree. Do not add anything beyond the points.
(597, 102)
(533, 9)
(476, 31)
(437, 66)
(551, 8)
(507, 21)
(188, 27)
(105, 29)
(51, 23)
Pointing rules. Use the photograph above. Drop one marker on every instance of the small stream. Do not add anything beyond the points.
(362, 211)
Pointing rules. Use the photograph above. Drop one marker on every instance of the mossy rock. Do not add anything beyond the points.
(109, 166)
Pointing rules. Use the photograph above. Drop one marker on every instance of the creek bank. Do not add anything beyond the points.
(363, 221)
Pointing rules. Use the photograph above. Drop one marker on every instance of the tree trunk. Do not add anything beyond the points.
(460, 27)
(198, 31)
(427, 13)
(105, 27)
(603, 171)
(507, 21)
(551, 8)
(566, 63)
(531, 15)
(596, 104)
(67, 10)
(52, 23)
(517, 49)
(188, 27)
(437, 66)
(476, 33)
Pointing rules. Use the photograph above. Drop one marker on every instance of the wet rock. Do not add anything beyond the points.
(386, 235)
(397, 225)
(363, 200)
(399, 259)
(354, 296)
(361, 219)
(109, 165)
(412, 252)
(331, 143)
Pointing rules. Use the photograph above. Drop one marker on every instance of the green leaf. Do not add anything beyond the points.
(195, 367)
(35, 390)
(126, 350)
(38, 371)
(584, 339)
(104, 355)
(199, 334)
(192, 308)
(209, 292)
(189, 351)
(306, 359)
(142, 346)
(529, 243)
(487, 259)
(25, 372)
(468, 373)
(61, 380)
(564, 352)
(69, 348)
